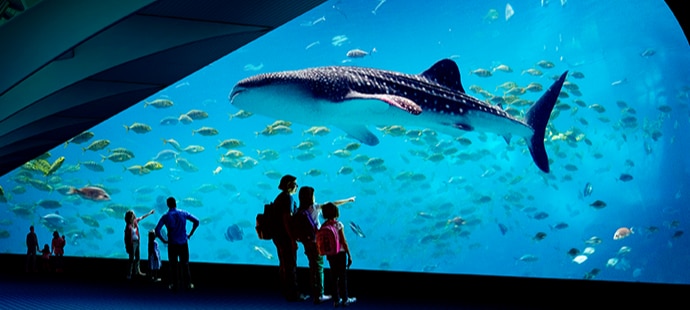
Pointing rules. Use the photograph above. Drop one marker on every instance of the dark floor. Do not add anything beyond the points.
(101, 284)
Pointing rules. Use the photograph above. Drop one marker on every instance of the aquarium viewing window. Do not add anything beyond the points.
(457, 193)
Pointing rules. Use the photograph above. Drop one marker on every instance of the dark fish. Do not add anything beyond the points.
(598, 204)
(357, 230)
(625, 177)
(234, 233)
(573, 252)
(541, 215)
(539, 236)
(677, 234)
(652, 229)
(503, 228)
(560, 225)
(588, 189)
(590, 275)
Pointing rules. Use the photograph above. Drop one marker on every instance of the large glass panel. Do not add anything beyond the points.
(430, 197)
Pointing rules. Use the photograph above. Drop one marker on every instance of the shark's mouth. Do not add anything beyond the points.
(236, 91)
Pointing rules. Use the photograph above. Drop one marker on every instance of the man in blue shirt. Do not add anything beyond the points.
(175, 222)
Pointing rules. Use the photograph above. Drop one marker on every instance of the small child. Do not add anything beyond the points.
(339, 263)
(154, 257)
(45, 257)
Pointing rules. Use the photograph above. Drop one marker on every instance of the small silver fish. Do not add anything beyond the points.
(358, 53)
(263, 252)
(357, 230)
(588, 189)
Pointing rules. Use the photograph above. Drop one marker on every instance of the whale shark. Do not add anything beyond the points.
(353, 98)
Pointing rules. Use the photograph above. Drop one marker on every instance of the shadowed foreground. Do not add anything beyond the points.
(90, 283)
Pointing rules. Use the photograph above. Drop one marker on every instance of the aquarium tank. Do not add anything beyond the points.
(466, 191)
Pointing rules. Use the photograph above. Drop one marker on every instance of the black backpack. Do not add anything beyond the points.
(302, 226)
(265, 222)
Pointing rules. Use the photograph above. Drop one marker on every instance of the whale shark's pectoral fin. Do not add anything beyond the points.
(393, 100)
(361, 133)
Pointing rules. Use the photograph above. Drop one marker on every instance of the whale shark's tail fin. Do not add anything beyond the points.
(538, 117)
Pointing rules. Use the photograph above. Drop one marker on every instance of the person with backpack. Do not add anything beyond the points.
(281, 217)
(304, 225)
(330, 241)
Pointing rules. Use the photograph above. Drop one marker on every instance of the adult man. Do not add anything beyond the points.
(175, 221)
(285, 244)
(31, 249)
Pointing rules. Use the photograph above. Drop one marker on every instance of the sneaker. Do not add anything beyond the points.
(321, 299)
(336, 303)
(156, 280)
(349, 301)
(190, 286)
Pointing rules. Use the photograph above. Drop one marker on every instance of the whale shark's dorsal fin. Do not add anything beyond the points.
(446, 73)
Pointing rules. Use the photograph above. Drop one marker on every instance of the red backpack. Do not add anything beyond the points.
(328, 239)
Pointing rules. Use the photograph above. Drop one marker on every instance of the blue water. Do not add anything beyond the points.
(408, 222)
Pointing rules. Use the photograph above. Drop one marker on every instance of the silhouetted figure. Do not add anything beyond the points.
(340, 262)
(175, 222)
(133, 241)
(58, 250)
(45, 258)
(154, 257)
(307, 202)
(286, 245)
(31, 250)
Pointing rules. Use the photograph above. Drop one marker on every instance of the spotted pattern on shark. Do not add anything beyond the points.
(349, 98)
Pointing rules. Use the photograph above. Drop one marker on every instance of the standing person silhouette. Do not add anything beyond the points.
(341, 261)
(285, 244)
(133, 241)
(307, 203)
(31, 249)
(175, 222)
(45, 259)
(154, 257)
(58, 249)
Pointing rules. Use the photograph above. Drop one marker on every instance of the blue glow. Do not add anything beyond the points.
(626, 115)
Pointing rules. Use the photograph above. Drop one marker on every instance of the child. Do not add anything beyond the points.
(58, 244)
(341, 261)
(132, 241)
(154, 257)
(307, 202)
(45, 257)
